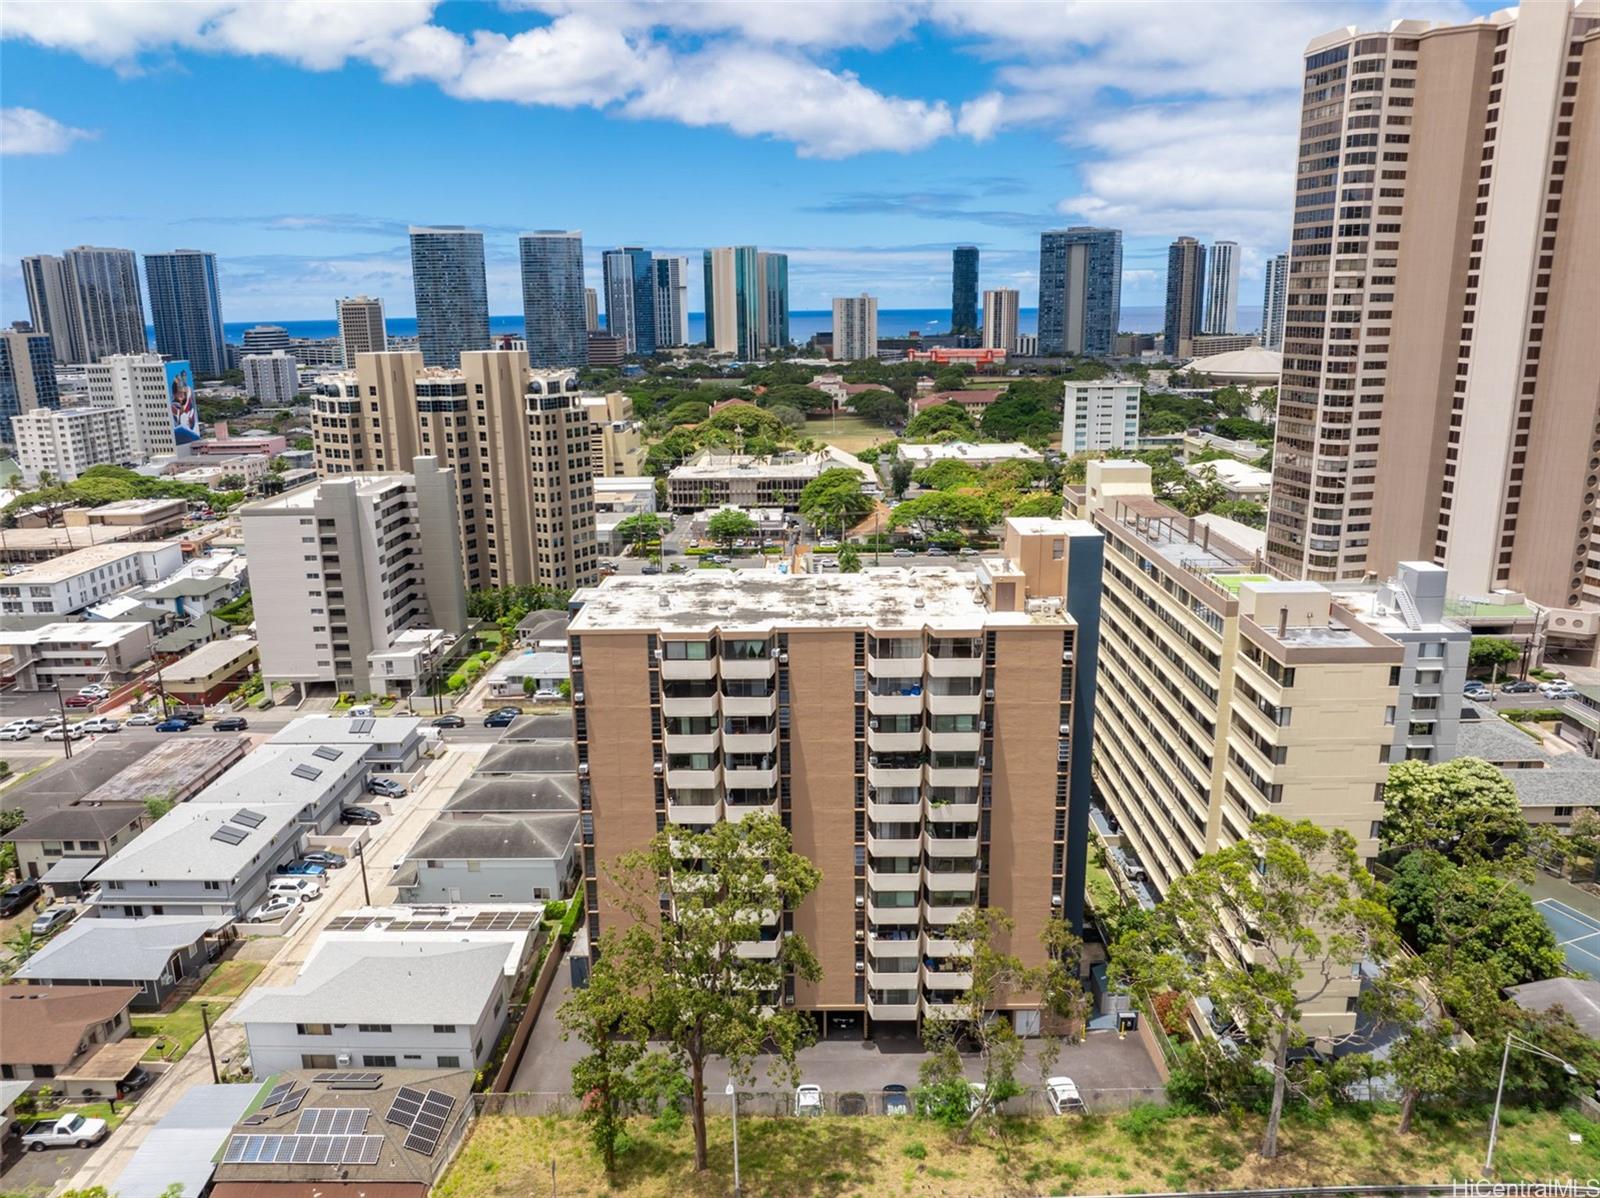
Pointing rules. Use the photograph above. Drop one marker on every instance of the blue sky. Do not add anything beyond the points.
(297, 140)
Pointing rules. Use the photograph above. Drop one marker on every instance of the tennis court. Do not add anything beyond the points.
(1577, 933)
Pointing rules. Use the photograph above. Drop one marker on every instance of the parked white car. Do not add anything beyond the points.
(143, 719)
(101, 723)
(15, 732)
(95, 691)
(301, 888)
(1559, 689)
(1062, 1095)
(68, 732)
(274, 909)
(75, 1130)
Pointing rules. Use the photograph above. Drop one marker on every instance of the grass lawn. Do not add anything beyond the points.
(849, 433)
(886, 1158)
(230, 979)
(175, 1032)
(1103, 894)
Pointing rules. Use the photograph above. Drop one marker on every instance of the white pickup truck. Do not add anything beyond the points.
(75, 1130)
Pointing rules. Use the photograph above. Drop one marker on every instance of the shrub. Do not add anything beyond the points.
(916, 1150)
(1144, 1119)
(554, 910)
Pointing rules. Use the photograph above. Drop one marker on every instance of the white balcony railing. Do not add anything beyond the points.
(894, 742)
(749, 667)
(690, 668)
(891, 915)
(897, 776)
(882, 879)
(954, 704)
(955, 667)
(686, 779)
(746, 705)
(695, 814)
(698, 705)
(735, 811)
(955, 742)
(894, 703)
(895, 667)
(750, 742)
(692, 742)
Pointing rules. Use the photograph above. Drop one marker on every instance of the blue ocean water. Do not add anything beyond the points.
(892, 322)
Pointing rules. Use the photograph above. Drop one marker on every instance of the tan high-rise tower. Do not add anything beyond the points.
(1441, 372)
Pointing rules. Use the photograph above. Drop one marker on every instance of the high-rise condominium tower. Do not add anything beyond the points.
(1441, 369)
(147, 390)
(1273, 294)
(1186, 295)
(591, 310)
(630, 280)
(517, 438)
(1000, 319)
(1080, 290)
(964, 289)
(1222, 288)
(925, 739)
(855, 328)
(27, 376)
(672, 301)
(774, 270)
(736, 300)
(552, 298)
(452, 293)
(361, 327)
(186, 308)
(108, 305)
(51, 307)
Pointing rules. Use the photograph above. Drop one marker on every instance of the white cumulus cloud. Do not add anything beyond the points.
(29, 131)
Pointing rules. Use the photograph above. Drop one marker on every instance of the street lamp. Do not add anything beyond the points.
(734, 1094)
(1505, 1059)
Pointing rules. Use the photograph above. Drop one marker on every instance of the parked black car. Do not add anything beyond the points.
(18, 897)
(499, 719)
(1519, 687)
(449, 721)
(231, 723)
(360, 815)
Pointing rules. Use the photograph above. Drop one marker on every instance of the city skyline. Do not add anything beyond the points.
(921, 133)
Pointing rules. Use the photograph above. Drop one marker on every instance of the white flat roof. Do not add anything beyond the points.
(959, 451)
(81, 561)
(101, 634)
(759, 600)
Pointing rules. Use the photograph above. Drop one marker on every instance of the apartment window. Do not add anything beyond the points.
(1562, 812)
(374, 1027)
(377, 1061)
(449, 1062)
(313, 1029)
(318, 1060)
(213, 885)
(444, 1029)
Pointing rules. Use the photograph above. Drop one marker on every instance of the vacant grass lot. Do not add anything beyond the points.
(174, 1033)
(909, 1158)
(230, 979)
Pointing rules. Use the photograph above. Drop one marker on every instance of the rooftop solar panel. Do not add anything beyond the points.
(250, 819)
(276, 1095)
(422, 1142)
(326, 752)
(362, 727)
(228, 834)
(309, 772)
(291, 1104)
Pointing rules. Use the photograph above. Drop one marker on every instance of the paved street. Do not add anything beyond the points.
(389, 841)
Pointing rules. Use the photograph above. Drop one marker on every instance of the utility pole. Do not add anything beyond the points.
(362, 858)
(61, 706)
(205, 1023)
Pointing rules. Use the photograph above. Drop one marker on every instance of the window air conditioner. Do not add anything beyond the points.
(583, 768)
(783, 659)
(659, 767)
(1066, 729)
(989, 693)
(342, 1060)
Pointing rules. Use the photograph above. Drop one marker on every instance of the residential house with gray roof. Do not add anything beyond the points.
(153, 954)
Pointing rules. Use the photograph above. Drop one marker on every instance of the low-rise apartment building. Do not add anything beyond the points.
(73, 655)
(914, 728)
(341, 568)
(713, 480)
(388, 988)
(68, 584)
(1225, 694)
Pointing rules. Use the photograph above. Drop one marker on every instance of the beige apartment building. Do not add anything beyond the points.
(342, 570)
(1000, 309)
(616, 442)
(914, 729)
(519, 441)
(1225, 694)
(1441, 372)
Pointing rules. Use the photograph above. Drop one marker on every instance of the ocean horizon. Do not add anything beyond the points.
(892, 322)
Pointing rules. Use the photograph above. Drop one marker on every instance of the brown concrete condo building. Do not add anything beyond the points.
(518, 440)
(918, 732)
(1441, 373)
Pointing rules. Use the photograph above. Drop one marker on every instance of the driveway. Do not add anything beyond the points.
(1101, 1062)
(38, 1173)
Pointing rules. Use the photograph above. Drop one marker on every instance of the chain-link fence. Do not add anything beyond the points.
(782, 1103)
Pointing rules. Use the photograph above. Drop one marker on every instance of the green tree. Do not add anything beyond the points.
(728, 526)
(23, 944)
(1030, 410)
(881, 407)
(1245, 511)
(849, 559)
(1201, 492)
(835, 499)
(1465, 809)
(1042, 503)
(951, 417)
(685, 978)
(158, 805)
(1492, 652)
(642, 529)
(1583, 839)
(943, 512)
(899, 476)
(946, 475)
(1453, 914)
(1309, 913)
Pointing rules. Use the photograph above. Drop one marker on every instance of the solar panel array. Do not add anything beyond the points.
(309, 772)
(291, 1104)
(332, 1121)
(279, 1092)
(424, 1114)
(228, 834)
(363, 726)
(349, 1081)
(480, 921)
(257, 1149)
(326, 752)
(250, 819)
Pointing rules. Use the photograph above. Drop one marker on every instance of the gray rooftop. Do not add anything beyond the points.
(394, 979)
(516, 793)
(545, 624)
(179, 846)
(274, 773)
(118, 950)
(1498, 742)
(530, 757)
(521, 837)
(1579, 997)
(338, 730)
(202, 629)
(175, 768)
(79, 822)
(539, 727)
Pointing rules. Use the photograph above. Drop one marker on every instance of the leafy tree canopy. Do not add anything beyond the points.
(1465, 809)
(941, 418)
